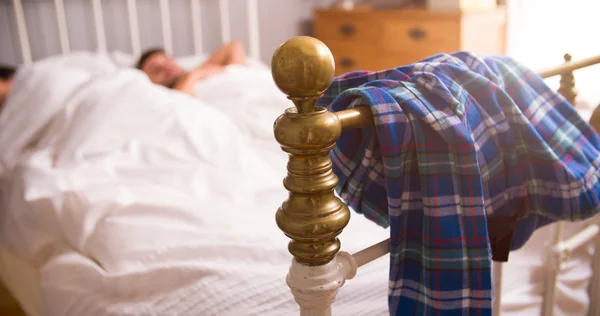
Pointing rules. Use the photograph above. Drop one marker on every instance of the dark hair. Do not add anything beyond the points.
(6, 72)
(147, 54)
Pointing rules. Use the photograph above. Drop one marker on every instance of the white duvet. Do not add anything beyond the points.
(132, 199)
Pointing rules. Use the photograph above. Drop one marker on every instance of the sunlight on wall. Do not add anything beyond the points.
(540, 32)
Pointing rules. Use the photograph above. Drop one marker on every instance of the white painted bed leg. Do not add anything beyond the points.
(595, 282)
(497, 283)
(315, 287)
(558, 255)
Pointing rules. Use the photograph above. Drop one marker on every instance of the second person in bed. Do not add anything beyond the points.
(163, 70)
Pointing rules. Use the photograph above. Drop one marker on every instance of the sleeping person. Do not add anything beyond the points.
(163, 70)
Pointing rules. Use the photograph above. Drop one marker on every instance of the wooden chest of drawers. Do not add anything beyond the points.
(381, 39)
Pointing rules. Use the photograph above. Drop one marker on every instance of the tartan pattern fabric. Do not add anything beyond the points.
(459, 138)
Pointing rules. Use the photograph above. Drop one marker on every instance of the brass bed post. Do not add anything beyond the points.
(567, 83)
(312, 216)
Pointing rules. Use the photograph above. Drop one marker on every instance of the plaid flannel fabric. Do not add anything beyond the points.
(458, 138)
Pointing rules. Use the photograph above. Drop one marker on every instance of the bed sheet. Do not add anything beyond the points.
(365, 295)
(133, 199)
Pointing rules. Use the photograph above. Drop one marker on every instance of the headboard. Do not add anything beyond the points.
(180, 26)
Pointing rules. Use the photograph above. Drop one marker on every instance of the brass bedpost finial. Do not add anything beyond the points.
(303, 68)
(312, 216)
(567, 83)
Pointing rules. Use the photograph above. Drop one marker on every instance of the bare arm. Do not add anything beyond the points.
(228, 54)
(231, 53)
(188, 81)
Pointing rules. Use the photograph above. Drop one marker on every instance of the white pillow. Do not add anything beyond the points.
(88, 61)
(117, 59)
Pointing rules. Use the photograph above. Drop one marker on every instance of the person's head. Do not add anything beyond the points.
(160, 68)
(6, 74)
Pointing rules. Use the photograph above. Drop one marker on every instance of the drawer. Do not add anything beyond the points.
(422, 38)
(347, 27)
(351, 57)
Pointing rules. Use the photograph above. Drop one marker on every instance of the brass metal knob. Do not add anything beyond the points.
(312, 216)
(303, 68)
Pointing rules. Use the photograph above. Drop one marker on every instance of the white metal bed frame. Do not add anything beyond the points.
(134, 31)
(313, 290)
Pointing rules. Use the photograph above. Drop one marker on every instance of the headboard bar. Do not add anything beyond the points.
(165, 18)
(569, 66)
(23, 34)
(99, 22)
(225, 28)
(134, 30)
(196, 25)
(61, 20)
(252, 29)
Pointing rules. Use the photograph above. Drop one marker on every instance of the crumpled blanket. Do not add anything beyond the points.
(459, 139)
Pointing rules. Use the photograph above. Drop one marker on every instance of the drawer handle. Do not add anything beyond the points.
(417, 34)
(346, 62)
(347, 29)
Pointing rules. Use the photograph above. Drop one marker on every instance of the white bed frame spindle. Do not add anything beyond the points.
(134, 31)
(225, 23)
(165, 18)
(23, 34)
(99, 26)
(197, 26)
(552, 270)
(595, 282)
(63, 32)
(253, 28)
(497, 269)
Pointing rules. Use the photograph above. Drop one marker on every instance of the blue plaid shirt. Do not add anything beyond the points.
(459, 138)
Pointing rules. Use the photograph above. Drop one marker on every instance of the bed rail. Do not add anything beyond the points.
(569, 66)
(567, 78)
(312, 216)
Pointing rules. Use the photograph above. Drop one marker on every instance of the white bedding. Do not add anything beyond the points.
(130, 199)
